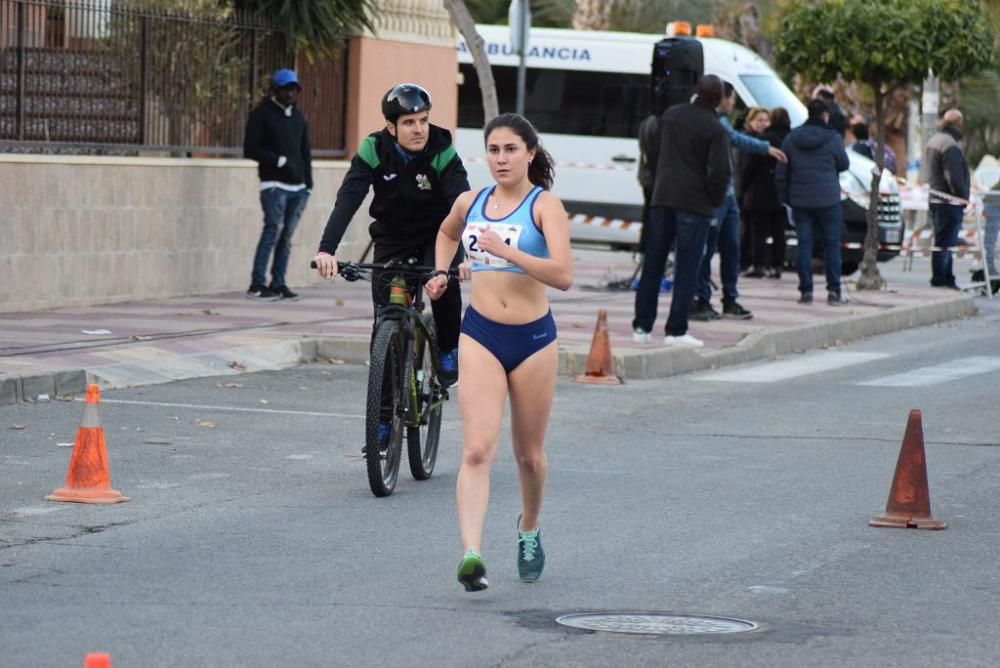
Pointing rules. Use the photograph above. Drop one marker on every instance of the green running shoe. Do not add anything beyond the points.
(530, 555)
(472, 572)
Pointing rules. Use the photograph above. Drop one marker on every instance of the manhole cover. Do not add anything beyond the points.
(644, 623)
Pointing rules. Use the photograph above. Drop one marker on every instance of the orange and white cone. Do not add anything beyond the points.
(600, 364)
(88, 479)
(909, 504)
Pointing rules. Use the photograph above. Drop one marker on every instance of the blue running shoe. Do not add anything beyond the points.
(448, 367)
(530, 555)
(472, 572)
(384, 429)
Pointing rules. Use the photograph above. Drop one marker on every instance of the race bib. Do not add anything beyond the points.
(509, 234)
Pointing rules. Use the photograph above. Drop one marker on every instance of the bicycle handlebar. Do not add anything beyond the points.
(353, 271)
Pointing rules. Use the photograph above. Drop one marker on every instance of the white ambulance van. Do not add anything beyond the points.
(587, 92)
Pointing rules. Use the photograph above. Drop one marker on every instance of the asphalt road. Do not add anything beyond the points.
(252, 540)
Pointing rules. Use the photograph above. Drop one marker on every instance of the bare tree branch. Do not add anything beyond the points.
(463, 20)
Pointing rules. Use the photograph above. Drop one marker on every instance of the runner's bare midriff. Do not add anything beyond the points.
(507, 297)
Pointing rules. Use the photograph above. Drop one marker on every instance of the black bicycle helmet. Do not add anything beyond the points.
(405, 98)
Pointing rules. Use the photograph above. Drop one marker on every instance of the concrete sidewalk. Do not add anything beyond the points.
(56, 352)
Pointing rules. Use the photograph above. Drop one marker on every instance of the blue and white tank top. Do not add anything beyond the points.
(517, 229)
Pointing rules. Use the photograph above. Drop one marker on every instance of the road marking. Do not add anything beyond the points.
(938, 373)
(36, 510)
(791, 368)
(235, 409)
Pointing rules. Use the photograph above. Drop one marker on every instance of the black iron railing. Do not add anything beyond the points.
(101, 76)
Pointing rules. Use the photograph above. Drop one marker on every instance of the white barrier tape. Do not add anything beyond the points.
(928, 233)
(947, 197)
(579, 165)
(918, 197)
(600, 221)
(962, 252)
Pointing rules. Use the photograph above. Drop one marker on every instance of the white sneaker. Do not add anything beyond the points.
(641, 336)
(685, 341)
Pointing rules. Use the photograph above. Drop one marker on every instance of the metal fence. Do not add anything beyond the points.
(99, 76)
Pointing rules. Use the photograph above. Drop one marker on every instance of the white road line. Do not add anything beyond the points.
(36, 510)
(805, 365)
(938, 373)
(234, 409)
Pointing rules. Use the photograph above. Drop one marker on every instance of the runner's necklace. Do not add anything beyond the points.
(496, 199)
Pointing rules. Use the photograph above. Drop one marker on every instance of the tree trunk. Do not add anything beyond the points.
(870, 278)
(592, 15)
(466, 25)
(897, 116)
(750, 32)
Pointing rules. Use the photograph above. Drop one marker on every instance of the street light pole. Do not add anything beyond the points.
(519, 18)
(929, 102)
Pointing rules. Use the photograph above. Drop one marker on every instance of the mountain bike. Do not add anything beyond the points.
(405, 394)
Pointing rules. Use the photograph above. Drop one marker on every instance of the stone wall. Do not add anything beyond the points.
(78, 230)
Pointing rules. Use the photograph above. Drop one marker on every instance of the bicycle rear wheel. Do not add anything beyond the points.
(423, 430)
(384, 411)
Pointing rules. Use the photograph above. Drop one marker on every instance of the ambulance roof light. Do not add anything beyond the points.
(678, 29)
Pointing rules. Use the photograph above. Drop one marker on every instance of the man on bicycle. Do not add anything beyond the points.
(417, 175)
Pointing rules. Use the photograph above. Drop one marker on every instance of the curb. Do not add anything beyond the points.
(664, 362)
(646, 365)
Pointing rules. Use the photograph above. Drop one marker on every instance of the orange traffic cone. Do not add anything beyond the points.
(600, 367)
(88, 479)
(97, 660)
(909, 504)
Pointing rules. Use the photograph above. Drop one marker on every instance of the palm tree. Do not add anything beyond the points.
(592, 14)
(315, 26)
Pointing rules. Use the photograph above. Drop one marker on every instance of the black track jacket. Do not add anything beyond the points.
(692, 170)
(411, 197)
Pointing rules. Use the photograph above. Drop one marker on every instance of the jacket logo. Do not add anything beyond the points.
(423, 183)
(389, 177)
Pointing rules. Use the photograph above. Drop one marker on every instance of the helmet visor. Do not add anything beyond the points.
(409, 98)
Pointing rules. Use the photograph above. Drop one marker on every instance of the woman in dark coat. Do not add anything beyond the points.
(765, 215)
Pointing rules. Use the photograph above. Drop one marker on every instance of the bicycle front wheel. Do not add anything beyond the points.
(423, 429)
(384, 412)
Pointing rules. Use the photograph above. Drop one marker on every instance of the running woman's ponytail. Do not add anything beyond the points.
(541, 169)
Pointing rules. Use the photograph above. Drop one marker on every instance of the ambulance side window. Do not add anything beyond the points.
(571, 102)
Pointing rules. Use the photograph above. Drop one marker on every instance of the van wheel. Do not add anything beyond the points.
(848, 268)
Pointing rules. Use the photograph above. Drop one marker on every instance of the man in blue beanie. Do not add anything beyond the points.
(277, 138)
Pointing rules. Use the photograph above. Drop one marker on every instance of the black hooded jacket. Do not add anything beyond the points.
(273, 132)
(411, 197)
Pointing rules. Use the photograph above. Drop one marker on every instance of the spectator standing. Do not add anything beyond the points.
(692, 174)
(764, 214)
(866, 146)
(837, 119)
(277, 138)
(991, 202)
(649, 150)
(810, 184)
(725, 229)
(948, 177)
(740, 159)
